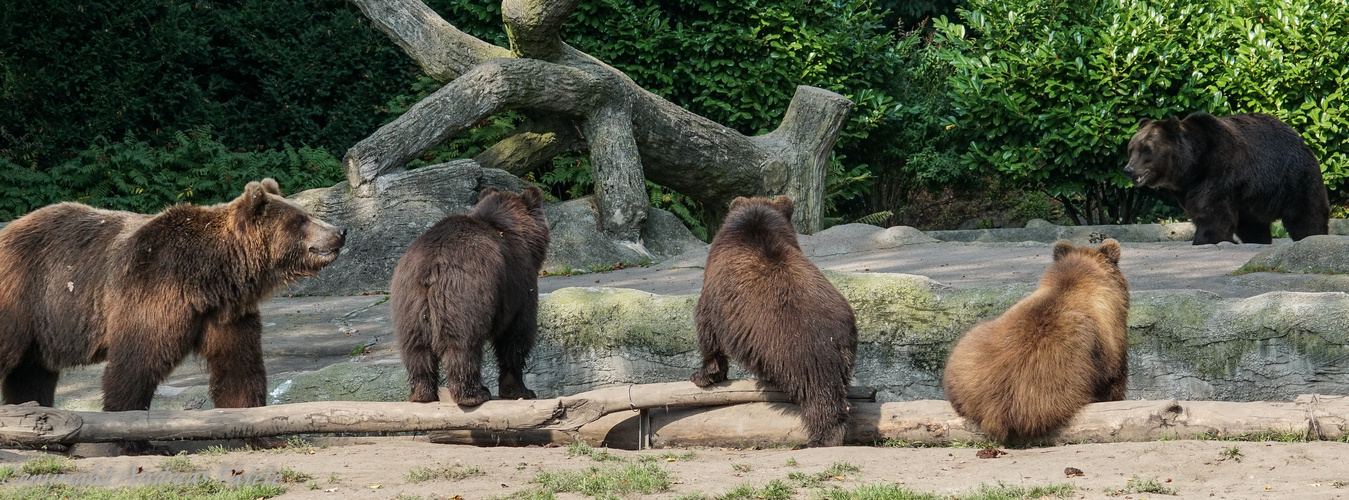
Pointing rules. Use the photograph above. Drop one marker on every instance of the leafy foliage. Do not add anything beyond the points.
(1048, 92)
(135, 175)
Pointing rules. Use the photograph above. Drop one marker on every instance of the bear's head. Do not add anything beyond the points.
(522, 213)
(298, 244)
(1161, 153)
(762, 221)
(1104, 259)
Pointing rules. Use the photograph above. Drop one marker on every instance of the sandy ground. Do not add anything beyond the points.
(377, 468)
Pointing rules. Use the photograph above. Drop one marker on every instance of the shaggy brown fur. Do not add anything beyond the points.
(1233, 175)
(1026, 373)
(80, 285)
(766, 305)
(469, 279)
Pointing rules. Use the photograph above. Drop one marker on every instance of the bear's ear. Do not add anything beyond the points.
(737, 202)
(1110, 249)
(1061, 248)
(533, 197)
(1143, 122)
(250, 204)
(784, 205)
(269, 185)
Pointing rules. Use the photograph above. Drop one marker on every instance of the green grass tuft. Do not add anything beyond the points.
(48, 465)
(645, 478)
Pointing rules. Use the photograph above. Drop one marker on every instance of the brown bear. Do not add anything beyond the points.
(766, 305)
(1233, 175)
(1026, 373)
(469, 279)
(80, 285)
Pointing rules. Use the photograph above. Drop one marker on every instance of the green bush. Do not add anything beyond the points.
(260, 73)
(135, 175)
(1048, 92)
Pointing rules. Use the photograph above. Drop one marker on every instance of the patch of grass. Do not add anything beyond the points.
(290, 475)
(741, 467)
(984, 492)
(900, 443)
(178, 463)
(1233, 453)
(454, 473)
(204, 490)
(791, 462)
(1282, 437)
(359, 350)
(314, 485)
(774, 490)
(837, 470)
(217, 450)
(8, 472)
(333, 478)
(48, 465)
(669, 456)
(581, 449)
(1150, 485)
(1248, 269)
(645, 478)
(529, 494)
(563, 271)
(297, 444)
(695, 495)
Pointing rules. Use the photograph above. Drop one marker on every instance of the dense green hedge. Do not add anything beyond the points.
(1048, 92)
(259, 74)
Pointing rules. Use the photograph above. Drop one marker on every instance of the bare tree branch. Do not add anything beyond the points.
(441, 50)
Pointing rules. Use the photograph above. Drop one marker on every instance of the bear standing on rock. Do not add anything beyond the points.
(1026, 373)
(469, 279)
(79, 285)
(766, 305)
(1233, 175)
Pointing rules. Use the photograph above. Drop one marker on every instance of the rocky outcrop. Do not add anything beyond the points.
(1322, 254)
(384, 216)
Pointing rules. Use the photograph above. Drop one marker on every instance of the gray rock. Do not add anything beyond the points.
(1038, 223)
(387, 214)
(850, 238)
(1080, 235)
(1314, 254)
(577, 242)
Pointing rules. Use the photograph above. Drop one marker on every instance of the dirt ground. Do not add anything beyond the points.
(378, 468)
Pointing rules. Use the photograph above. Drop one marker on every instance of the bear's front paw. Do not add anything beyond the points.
(703, 379)
(472, 397)
(423, 395)
(517, 393)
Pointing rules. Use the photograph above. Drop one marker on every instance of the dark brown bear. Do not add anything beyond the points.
(1233, 175)
(79, 285)
(766, 305)
(1026, 373)
(467, 280)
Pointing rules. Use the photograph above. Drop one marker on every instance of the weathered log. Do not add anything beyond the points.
(632, 134)
(32, 424)
(934, 422)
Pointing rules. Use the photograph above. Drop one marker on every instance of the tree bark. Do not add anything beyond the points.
(633, 135)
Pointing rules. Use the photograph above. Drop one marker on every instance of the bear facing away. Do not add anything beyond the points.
(1233, 175)
(1026, 373)
(467, 280)
(79, 285)
(766, 305)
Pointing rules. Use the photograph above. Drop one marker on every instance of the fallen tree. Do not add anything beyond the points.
(570, 97)
(734, 413)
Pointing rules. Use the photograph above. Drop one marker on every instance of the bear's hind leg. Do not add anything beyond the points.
(825, 415)
(421, 362)
(30, 381)
(463, 374)
(1300, 226)
(1252, 231)
(512, 350)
